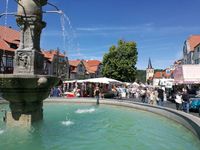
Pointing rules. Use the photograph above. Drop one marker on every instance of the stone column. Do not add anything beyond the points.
(24, 113)
(28, 57)
(26, 98)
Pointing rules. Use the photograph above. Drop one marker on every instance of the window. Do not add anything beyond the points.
(4, 60)
(61, 59)
(80, 68)
(197, 61)
(9, 62)
(198, 49)
(14, 46)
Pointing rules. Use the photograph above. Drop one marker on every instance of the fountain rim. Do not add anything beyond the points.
(189, 121)
(25, 76)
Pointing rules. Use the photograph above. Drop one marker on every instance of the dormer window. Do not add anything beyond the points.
(14, 46)
(80, 68)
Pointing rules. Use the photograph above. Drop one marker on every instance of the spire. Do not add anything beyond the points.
(149, 64)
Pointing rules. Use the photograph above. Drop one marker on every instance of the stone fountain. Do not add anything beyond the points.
(27, 87)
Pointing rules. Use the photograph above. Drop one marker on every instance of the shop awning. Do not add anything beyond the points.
(187, 74)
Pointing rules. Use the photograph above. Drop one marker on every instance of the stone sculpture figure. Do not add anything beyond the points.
(29, 19)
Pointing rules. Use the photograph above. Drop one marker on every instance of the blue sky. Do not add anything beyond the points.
(159, 27)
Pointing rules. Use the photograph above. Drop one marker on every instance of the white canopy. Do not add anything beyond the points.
(135, 84)
(96, 80)
(103, 80)
(142, 85)
(73, 81)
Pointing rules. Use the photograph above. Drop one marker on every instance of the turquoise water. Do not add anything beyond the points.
(88, 127)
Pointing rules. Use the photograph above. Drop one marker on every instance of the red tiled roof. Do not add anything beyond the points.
(94, 68)
(8, 36)
(92, 62)
(163, 74)
(91, 65)
(50, 54)
(74, 62)
(197, 45)
(193, 41)
(158, 74)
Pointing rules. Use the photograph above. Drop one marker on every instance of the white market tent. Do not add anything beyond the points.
(135, 84)
(96, 80)
(73, 81)
(187, 74)
(103, 80)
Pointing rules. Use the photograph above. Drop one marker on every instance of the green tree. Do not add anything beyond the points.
(141, 76)
(119, 63)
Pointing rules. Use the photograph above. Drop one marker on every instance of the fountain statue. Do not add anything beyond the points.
(27, 87)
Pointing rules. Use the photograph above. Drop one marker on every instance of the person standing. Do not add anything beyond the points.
(160, 96)
(143, 95)
(186, 100)
(97, 94)
(151, 97)
(178, 100)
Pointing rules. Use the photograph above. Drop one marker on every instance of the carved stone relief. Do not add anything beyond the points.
(24, 60)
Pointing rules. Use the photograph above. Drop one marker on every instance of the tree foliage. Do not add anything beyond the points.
(141, 76)
(119, 63)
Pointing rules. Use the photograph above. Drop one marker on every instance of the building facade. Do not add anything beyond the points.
(77, 69)
(55, 63)
(190, 56)
(196, 56)
(164, 78)
(84, 69)
(9, 42)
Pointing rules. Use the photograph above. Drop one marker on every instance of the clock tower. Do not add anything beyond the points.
(149, 71)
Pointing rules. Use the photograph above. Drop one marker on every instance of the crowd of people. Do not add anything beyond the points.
(157, 96)
(151, 95)
(146, 94)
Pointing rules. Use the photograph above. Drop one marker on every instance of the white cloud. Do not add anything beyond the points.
(144, 29)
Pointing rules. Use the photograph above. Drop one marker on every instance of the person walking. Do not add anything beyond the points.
(97, 94)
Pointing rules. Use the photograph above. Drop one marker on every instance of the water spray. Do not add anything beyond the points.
(54, 11)
(4, 14)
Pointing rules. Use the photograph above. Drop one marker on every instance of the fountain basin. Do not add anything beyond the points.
(26, 88)
(77, 125)
(25, 94)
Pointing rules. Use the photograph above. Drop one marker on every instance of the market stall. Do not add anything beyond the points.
(87, 86)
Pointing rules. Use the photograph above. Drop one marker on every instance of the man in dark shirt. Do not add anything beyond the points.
(186, 101)
(160, 96)
(97, 94)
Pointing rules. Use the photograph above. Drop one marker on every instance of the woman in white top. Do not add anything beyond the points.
(178, 100)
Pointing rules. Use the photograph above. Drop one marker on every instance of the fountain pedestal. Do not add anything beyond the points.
(26, 88)
(24, 114)
(25, 94)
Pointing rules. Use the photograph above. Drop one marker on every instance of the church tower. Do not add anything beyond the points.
(149, 71)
